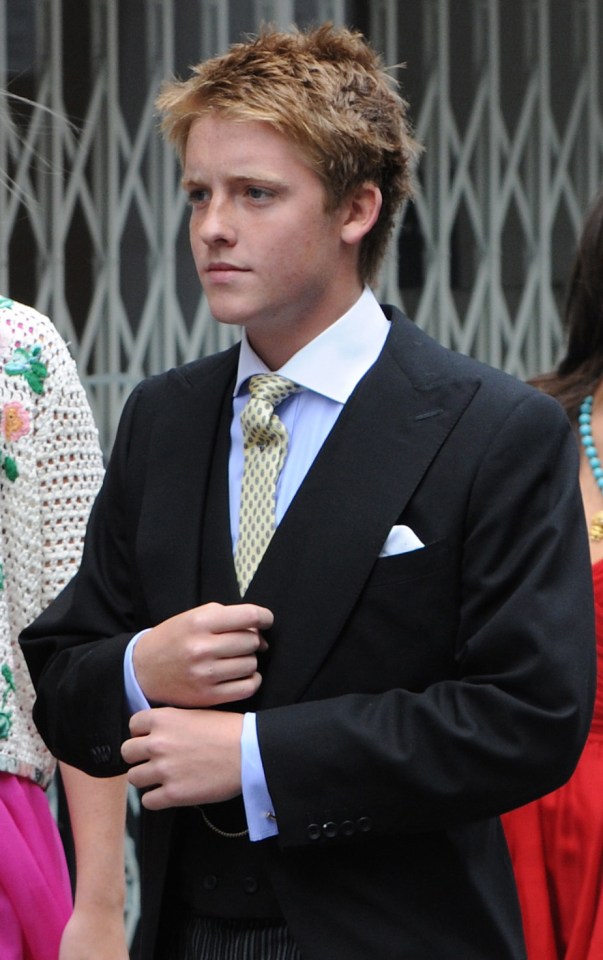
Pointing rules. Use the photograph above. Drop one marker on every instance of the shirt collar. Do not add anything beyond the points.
(334, 362)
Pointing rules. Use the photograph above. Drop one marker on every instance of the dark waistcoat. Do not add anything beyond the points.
(214, 875)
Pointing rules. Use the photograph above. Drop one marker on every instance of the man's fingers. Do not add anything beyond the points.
(156, 799)
(140, 723)
(237, 616)
(139, 774)
(234, 645)
(232, 690)
(132, 751)
(232, 668)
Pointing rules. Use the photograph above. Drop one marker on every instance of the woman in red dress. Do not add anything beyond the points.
(556, 843)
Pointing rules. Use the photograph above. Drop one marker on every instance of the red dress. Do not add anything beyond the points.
(556, 845)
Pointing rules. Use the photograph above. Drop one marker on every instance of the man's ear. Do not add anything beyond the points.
(362, 208)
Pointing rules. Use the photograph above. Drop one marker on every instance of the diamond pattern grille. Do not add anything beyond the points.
(97, 213)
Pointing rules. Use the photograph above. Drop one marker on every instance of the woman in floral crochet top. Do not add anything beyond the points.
(50, 471)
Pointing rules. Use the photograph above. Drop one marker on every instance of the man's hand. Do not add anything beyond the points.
(184, 757)
(204, 656)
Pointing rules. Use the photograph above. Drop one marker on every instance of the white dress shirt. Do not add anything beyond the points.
(328, 368)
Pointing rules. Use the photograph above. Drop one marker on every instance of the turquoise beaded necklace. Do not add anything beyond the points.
(586, 436)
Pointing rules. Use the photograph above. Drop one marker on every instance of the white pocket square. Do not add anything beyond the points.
(401, 539)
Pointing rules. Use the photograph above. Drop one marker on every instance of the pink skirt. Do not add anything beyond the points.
(35, 893)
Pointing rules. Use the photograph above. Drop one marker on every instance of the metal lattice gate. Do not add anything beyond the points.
(505, 95)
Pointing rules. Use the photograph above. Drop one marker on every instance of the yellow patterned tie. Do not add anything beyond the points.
(265, 442)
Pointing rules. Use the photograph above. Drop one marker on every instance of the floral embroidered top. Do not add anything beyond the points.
(50, 471)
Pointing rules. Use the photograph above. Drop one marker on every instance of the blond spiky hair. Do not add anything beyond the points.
(325, 89)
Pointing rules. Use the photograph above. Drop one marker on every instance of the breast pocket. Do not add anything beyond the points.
(423, 562)
(402, 630)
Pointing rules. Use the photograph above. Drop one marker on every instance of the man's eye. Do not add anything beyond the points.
(258, 193)
(197, 196)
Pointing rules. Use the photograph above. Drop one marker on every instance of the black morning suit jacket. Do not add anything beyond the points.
(406, 700)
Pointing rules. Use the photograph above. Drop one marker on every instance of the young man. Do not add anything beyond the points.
(324, 740)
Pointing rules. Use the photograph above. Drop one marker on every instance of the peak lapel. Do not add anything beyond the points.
(176, 482)
(326, 545)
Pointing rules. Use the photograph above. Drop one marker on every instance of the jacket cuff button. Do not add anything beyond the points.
(250, 885)
(364, 824)
(313, 831)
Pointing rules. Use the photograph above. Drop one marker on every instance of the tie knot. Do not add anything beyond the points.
(261, 425)
(265, 442)
(271, 388)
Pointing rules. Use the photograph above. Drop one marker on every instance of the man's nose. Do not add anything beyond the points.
(217, 223)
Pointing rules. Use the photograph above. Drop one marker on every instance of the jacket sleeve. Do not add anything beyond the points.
(509, 723)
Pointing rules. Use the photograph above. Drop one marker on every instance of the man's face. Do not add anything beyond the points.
(268, 255)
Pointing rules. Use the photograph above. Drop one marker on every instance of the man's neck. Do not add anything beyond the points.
(275, 343)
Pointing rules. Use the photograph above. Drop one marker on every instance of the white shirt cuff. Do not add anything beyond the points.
(134, 696)
(259, 809)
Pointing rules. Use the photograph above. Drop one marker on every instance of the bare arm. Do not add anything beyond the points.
(97, 810)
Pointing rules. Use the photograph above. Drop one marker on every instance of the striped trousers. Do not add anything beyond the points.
(212, 938)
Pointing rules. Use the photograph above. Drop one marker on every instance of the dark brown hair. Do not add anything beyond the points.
(581, 369)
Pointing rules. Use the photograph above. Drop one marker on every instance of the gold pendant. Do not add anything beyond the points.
(596, 527)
